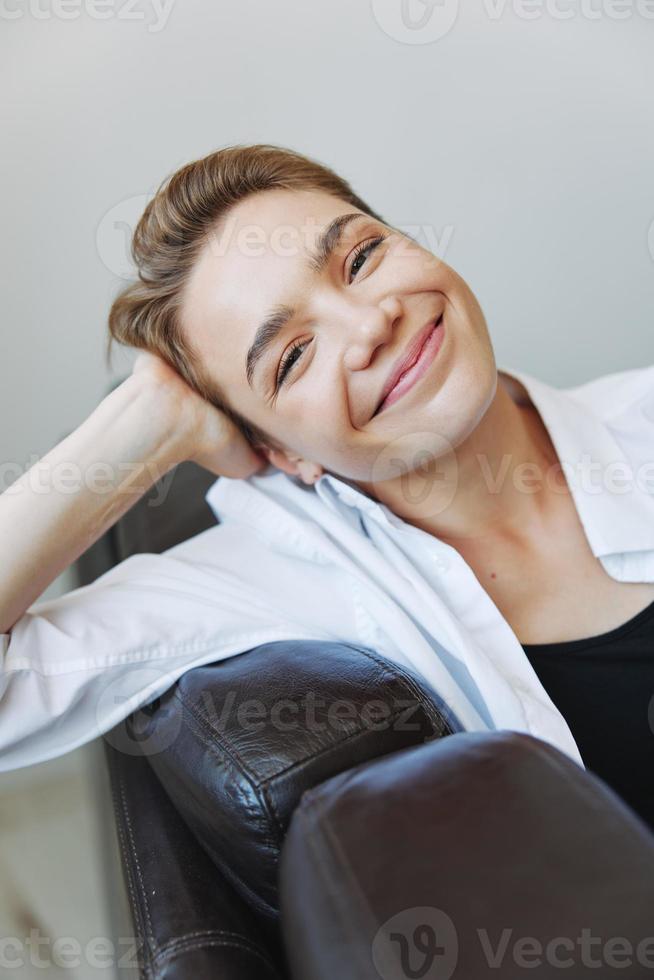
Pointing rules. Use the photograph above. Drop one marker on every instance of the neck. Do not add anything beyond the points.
(499, 482)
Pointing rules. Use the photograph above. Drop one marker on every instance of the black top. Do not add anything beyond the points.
(604, 688)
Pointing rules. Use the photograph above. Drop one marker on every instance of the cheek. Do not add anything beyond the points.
(412, 267)
(318, 426)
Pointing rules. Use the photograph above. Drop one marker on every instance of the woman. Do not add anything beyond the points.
(285, 321)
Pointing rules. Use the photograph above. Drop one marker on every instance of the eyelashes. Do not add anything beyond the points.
(288, 361)
(368, 246)
(295, 351)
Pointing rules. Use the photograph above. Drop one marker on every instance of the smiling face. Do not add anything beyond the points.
(300, 308)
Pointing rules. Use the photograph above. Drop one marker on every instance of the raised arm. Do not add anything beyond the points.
(66, 501)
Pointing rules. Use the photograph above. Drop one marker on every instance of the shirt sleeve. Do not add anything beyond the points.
(75, 666)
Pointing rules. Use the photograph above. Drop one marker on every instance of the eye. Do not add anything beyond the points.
(365, 248)
(288, 361)
(297, 349)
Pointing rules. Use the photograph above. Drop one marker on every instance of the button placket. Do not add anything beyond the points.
(440, 563)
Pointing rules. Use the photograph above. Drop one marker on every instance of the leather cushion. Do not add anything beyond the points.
(236, 743)
(483, 855)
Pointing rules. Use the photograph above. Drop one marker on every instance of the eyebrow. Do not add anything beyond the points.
(268, 331)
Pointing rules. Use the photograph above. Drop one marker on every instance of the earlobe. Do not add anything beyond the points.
(310, 472)
(295, 466)
(281, 461)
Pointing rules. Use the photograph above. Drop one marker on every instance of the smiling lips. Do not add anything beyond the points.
(413, 364)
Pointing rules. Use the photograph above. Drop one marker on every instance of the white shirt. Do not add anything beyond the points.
(328, 562)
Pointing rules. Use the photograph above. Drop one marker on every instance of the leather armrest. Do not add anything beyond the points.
(482, 855)
(187, 922)
(236, 743)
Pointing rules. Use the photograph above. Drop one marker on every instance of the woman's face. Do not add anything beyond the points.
(348, 318)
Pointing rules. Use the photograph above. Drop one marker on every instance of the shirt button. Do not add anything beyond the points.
(441, 564)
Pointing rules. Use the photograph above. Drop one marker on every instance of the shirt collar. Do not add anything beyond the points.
(617, 514)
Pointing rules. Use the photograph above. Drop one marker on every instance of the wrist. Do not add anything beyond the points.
(147, 420)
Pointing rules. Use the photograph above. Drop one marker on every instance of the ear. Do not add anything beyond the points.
(293, 465)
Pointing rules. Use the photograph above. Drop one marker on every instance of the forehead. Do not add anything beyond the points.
(254, 260)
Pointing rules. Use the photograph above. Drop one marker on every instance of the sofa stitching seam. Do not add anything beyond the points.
(170, 954)
(440, 724)
(332, 747)
(138, 865)
(213, 733)
(198, 724)
(126, 851)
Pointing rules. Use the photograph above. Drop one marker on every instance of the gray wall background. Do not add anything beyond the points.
(518, 140)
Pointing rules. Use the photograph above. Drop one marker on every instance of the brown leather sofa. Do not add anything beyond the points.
(310, 810)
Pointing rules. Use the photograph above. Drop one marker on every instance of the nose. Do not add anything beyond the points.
(372, 328)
